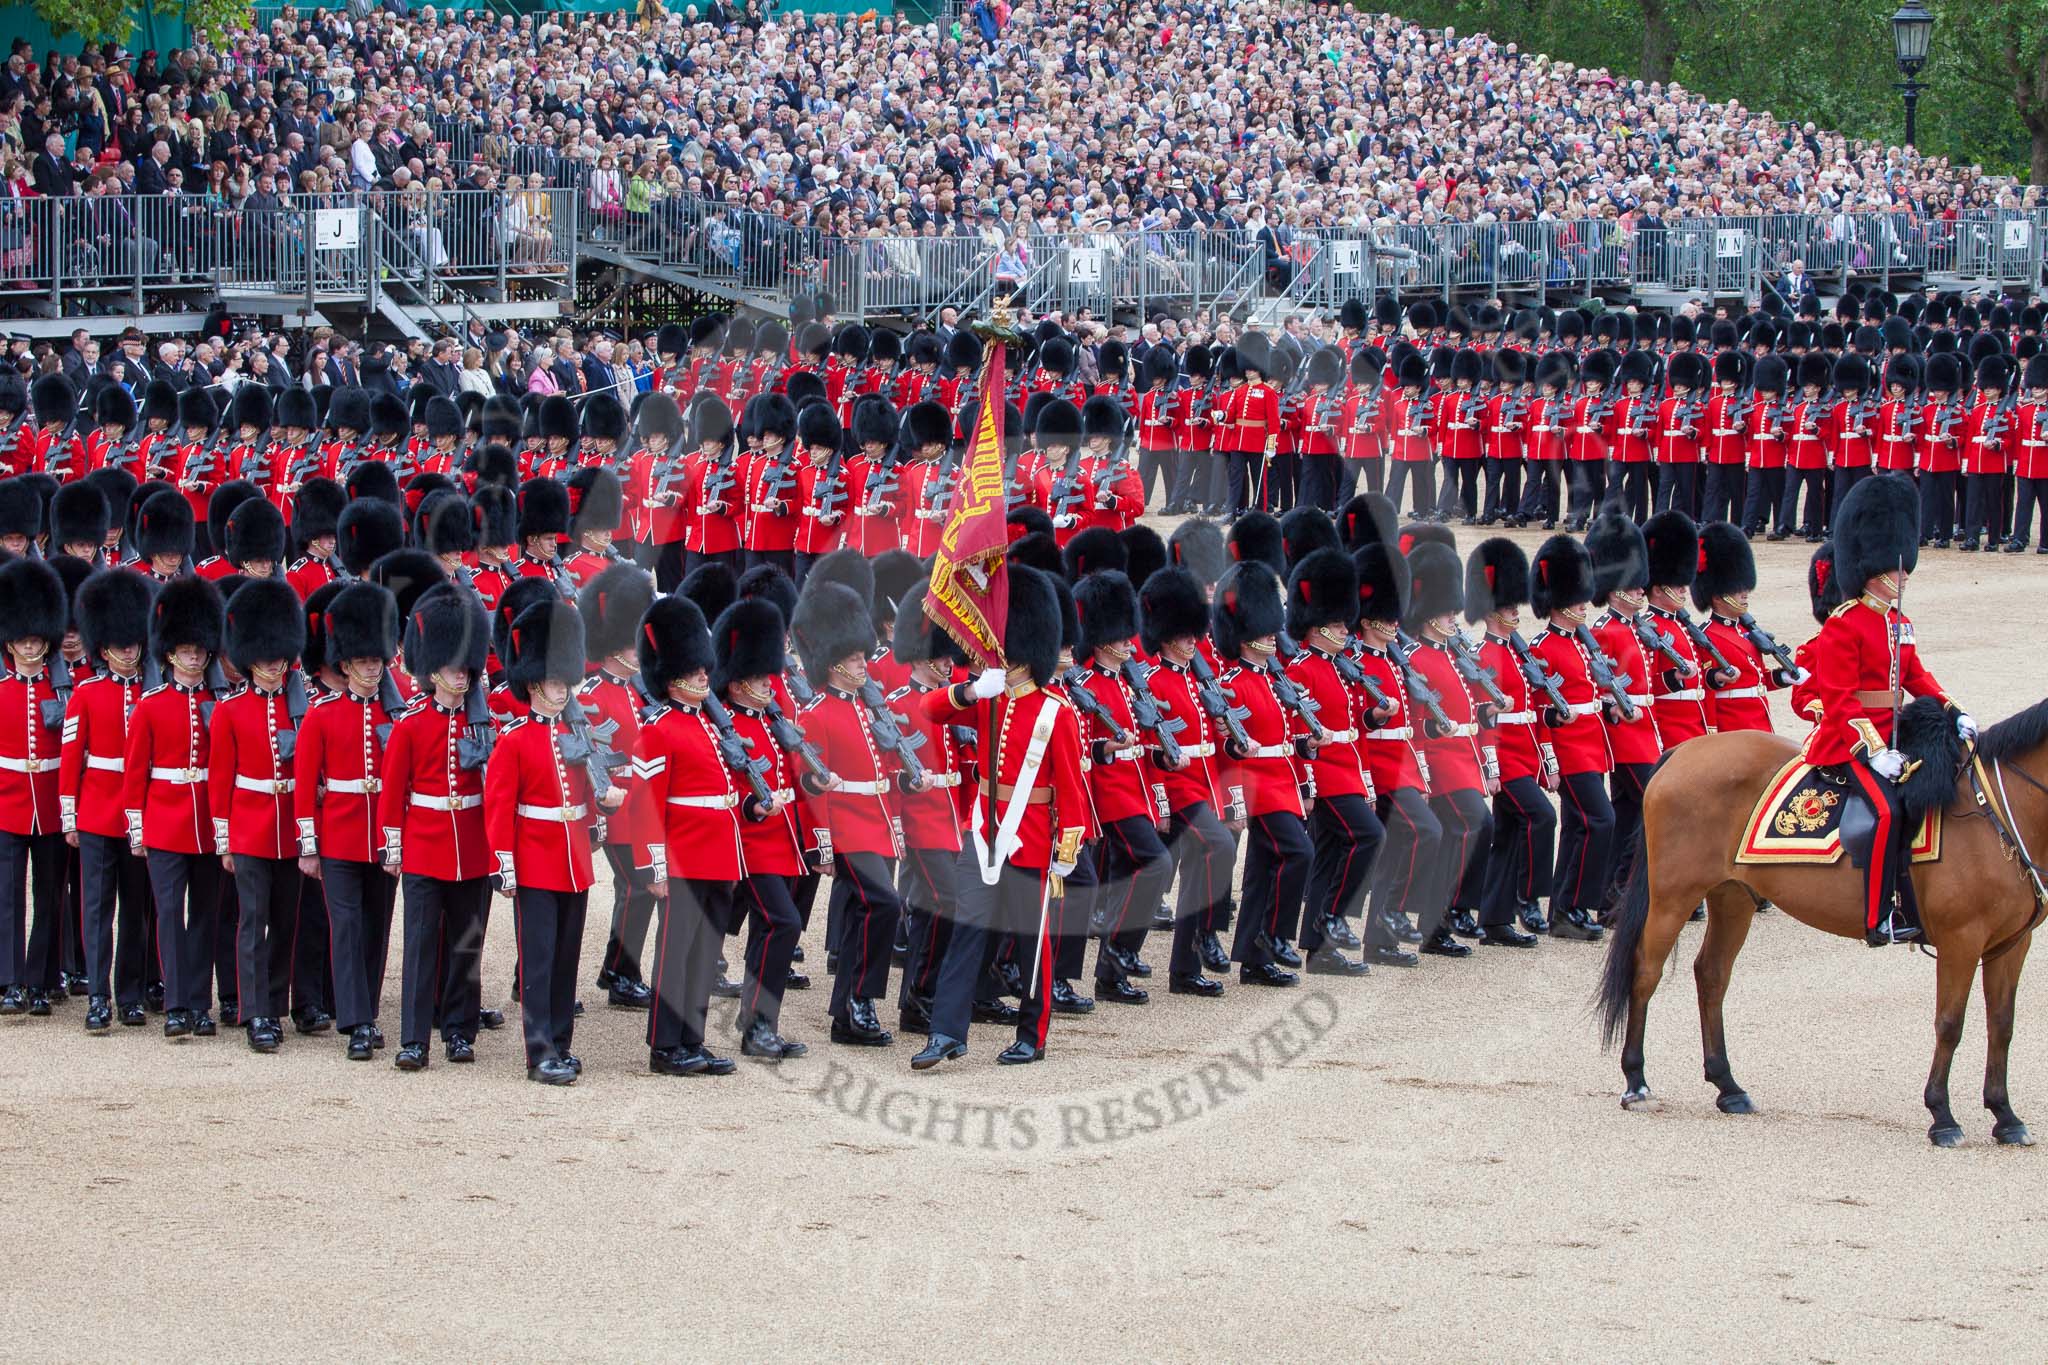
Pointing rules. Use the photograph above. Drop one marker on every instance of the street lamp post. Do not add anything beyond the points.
(1910, 29)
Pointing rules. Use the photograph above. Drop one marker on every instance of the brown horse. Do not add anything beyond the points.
(1977, 901)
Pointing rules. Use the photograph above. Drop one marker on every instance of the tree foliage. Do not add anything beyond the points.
(1830, 63)
(102, 20)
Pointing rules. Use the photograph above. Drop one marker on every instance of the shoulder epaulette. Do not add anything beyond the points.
(1852, 602)
(322, 701)
(902, 691)
(238, 691)
(301, 562)
(160, 687)
(507, 727)
(654, 713)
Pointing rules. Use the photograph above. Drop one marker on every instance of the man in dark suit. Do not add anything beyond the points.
(440, 372)
(51, 172)
(150, 176)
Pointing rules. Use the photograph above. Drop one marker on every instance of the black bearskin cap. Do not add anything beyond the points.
(113, 610)
(768, 414)
(612, 604)
(557, 418)
(446, 524)
(849, 568)
(927, 424)
(78, 515)
(1322, 591)
(225, 502)
(33, 602)
(1037, 551)
(712, 586)
(604, 418)
(1107, 605)
(1172, 605)
(543, 508)
(1305, 529)
(255, 531)
(1725, 565)
(1877, 531)
(598, 497)
(1093, 550)
(1620, 558)
(374, 479)
(1024, 519)
(495, 511)
(818, 425)
(1033, 633)
(746, 642)
(1561, 576)
(547, 646)
(367, 530)
(361, 623)
(1367, 518)
(406, 574)
(187, 611)
(1247, 604)
(1436, 583)
(448, 628)
(1672, 541)
(1058, 424)
(771, 584)
(1823, 584)
(1496, 577)
(1144, 551)
(265, 622)
(316, 509)
(118, 487)
(831, 625)
(894, 572)
(1255, 535)
(1198, 546)
(163, 526)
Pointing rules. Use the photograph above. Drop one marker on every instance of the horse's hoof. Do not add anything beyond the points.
(1640, 1100)
(2013, 1135)
(1946, 1135)
(1738, 1102)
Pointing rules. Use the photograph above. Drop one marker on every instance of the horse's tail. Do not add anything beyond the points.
(1624, 939)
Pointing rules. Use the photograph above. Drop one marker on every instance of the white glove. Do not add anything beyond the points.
(1966, 727)
(989, 683)
(1888, 764)
(1061, 870)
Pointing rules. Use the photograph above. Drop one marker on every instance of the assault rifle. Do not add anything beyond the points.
(736, 752)
(790, 736)
(1540, 677)
(889, 735)
(1227, 717)
(1614, 684)
(1436, 723)
(1762, 639)
(1147, 712)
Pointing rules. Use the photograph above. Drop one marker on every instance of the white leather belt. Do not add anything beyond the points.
(354, 786)
(29, 765)
(1643, 700)
(425, 802)
(1123, 755)
(1206, 749)
(1738, 693)
(1584, 708)
(184, 777)
(1270, 751)
(1685, 694)
(263, 784)
(725, 802)
(560, 815)
(788, 794)
(1515, 718)
(862, 788)
(106, 765)
(1465, 731)
(1393, 732)
(1339, 736)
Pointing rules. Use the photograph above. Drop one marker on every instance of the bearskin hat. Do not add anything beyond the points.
(1944, 373)
(915, 637)
(406, 574)
(768, 414)
(113, 610)
(884, 346)
(162, 527)
(349, 410)
(446, 524)
(1726, 564)
(847, 567)
(316, 510)
(1411, 371)
(612, 604)
(196, 410)
(1728, 367)
(1620, 558)
(250, 407)
(598, 497)
(187, 611)
(117, 487)
(1382, 582)
(1093, 550)
(33, 602)
(832, 624)
(543, 508)
(1367, 519)
(500, 419)
(1368, 364)
(712, 586)
(373, 479)
(225, 502)
(1058, 424)
(1496, 578)
(817, 425)
(1994, 372)
(1877, 531)
(1172, 605)
(1199, 547)
(746, 642)
(1034, 632)
(494, 511)
(1024, 520)
(265, 621)
(1823, 584)
(852, 341)
(771, 336)
(1425, 533)
(963, 352)
(558, 418)
(447, 628)
(53, 399)
(1305, 529)
(770, 584)
(1561, 576)
(1256, 535)
(78, 515)
(1672, 542)
(604, 418)
(1107, 606)
(1322, 590)
(1436, 583)
(1057, 355)
(1037, 551)
(1144, 551)
(1690, 369)
(671, 339)
(2036, 372)
(1160, 367)
(255, 530)
(1070, 618)
(160, 403)
(366, 531)
(927, 424)
(874, 421)
(894, 571)
(1102, 416)
(1247, 604)
(295, 408)
(112, 407)
(547, 645)
(1199, 362)
(520, 594)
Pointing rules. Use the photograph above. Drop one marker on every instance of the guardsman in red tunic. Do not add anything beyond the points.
(543, 521)
(1504, 437)
(1115, 498)
(339, 765)
(1026, 827)
(1461, 778)
(747, 645)
(596, 503)
(925, 476)
(612, 605)
(1938, 451)
(1344, 827)
(1898, 416)
(1631, 433)
(1620, 584)
(1549, 440)
(1159, 453)
(1516, 743)
(834, 636)
(316, 514)
(1727, 576)
(430, 821)
(875, 496)
(713, 495)
(164, 799)
(1408, 417)
(33, 696)
(1318, 430)
(1986, 451)
(78, 522)
(770, 506)
(1683, 704)
(654, 478)
(538, 809)
(1393, 760)
(694, 803)
(1765, 432)
(1824, 593)
(1456, 415)
(1806, 455)
(601, 430)
(1849, 430)
(1362, 424)
(1682, 432)
(1246, 616)
(1722, 441)
(1867, 668)
(2030, 456)
(1560, 594)
(250, 796)
(113, 624)
(252, 541)
(1248, 430)
(821, 477)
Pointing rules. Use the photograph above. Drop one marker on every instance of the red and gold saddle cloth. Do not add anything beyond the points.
(1798, 819)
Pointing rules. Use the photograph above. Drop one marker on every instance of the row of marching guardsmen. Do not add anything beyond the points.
(264, 773)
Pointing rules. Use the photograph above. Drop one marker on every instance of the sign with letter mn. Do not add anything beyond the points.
(1730, 242)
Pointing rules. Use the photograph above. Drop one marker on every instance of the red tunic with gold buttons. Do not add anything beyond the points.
(608, 697)
(690, 801)
(1682, 704)
(1454, 759)
(339, 761)
(1344, 712)
(1742, 703)
(1120, 773)
(250, 788)
(31, 743)
(770, 517)
(771, 847)
(1267, 774)
(1392, 753)
(1056, 809)
(165, 769)
(858, 811)
(1630, 741)
(537, 807)
(428, 801)
(711, 518)
(932, 819)
(924, 520)
(1865, 651)
(1516, 735)
(1894, 442)
(1581, 742)
(89, 779)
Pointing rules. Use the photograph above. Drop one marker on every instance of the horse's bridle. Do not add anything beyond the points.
(2010, 839)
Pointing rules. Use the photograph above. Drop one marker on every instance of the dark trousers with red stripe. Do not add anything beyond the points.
(1503, 485)
(1276, 862)
(187, 899)
(772, 931)
(441, 972)
(1404, 870)
(31, 865)
(1467, 826)
(1083, 888)
(1678, 486)
(986, 915)
(115, 907)
(1518, 866)
(1880, 878)
(1585, 843)
(1540, 500)
(632, 912)
(1626, 796)
(2033, 493)
(359, 899)
(1423, 472)
(926, 880)
(1461, 487)
(1347, 834)
(695, 918)
(1136, 869)
(312, 962)
(549, 929)
(1203, 853)
(1725, 495)
(267, 897)
(1320, 476)
(864, 903)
